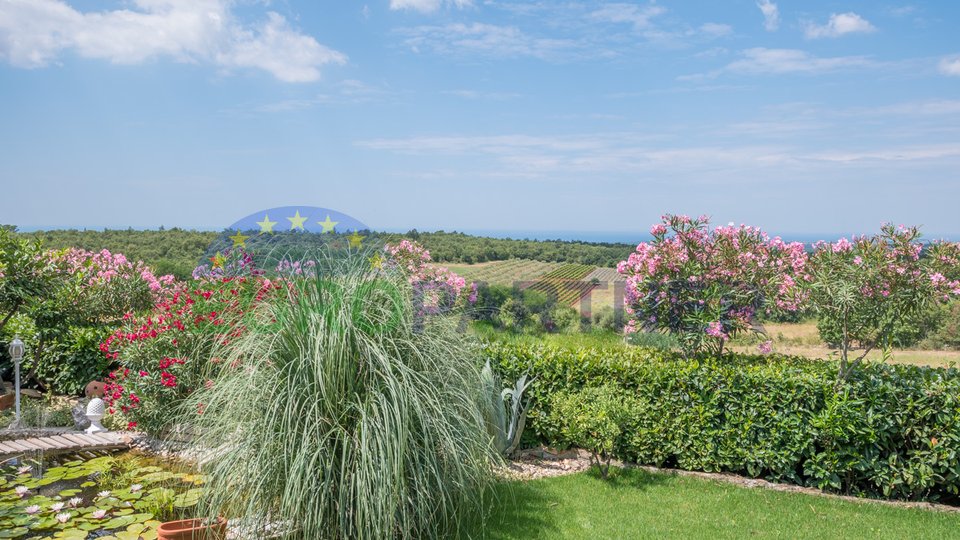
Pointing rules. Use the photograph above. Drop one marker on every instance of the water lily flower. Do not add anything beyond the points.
(56, 507)
(98, 514)
(24, 470)
(135, 488)
(32, 509)
(75, 502)
(21, 490)
(103, 494)
(63, 518)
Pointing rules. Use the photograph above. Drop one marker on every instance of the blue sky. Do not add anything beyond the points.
(812, 116)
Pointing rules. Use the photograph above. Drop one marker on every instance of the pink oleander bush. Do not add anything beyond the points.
(436, 288)
(863, 288)
(706, 286)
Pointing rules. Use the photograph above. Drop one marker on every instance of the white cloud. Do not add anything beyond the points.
(950, 66)
(759, 61)
(34, 33)
(479, 95)
(427, 6)
(771, 15)
(716, 30)
(493, 40)
(638, 16)
(838, 25)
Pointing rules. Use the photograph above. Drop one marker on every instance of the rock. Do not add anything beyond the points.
(28, 392)
(80, 420)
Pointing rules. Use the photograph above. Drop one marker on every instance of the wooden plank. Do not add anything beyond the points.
(77, 441)
(18, 445)
(62, 442)
(32, 445)
(7, 449)
(44, 442)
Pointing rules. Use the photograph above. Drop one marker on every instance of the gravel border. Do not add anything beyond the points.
(538, 463)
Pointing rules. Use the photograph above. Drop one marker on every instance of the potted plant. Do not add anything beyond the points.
(195, 528)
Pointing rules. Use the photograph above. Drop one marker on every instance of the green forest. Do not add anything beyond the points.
(178, 251)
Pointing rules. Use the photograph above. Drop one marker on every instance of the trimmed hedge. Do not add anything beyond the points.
(891, 431)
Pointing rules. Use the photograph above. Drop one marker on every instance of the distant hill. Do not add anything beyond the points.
(178, 251)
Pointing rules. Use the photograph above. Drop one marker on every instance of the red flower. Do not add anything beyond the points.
(131, 425)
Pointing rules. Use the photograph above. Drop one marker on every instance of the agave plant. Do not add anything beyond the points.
(340, 419)
(506, 411)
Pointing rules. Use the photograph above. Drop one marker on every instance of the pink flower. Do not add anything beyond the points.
(766, 347)
(98, 514)
(21, 491)
(32, 509)
(63, 518)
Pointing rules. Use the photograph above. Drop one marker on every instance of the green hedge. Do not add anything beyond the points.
(892, 431)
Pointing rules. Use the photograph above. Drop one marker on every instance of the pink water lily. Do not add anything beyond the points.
(75, 502)
(135, 488)
(32, 509)
(98, 514)
(56, 507)
(103, 494)
(63, 518)
(24, 470)
(21, 491)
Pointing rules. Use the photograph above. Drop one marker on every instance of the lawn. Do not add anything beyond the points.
(637, 504)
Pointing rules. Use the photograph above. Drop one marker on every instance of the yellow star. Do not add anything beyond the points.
(266, 226)
(376, 262)
(239, 239)
(355, 240)
(327, 225)
(296, 222)
(217, 260)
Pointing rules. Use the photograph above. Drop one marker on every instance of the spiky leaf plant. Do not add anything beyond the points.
(340, 419)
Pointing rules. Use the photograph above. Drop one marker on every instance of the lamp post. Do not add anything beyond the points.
(16, 353)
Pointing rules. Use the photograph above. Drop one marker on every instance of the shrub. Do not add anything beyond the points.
(946, 335)
(593, 419)
(863, 290)
(705, 287)
(167, 353)
(892, 430)
(344, 421)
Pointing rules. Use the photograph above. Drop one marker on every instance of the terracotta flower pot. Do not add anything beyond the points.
(7, 400)
(192, 529)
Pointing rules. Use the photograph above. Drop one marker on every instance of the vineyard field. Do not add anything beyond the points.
(509, 272)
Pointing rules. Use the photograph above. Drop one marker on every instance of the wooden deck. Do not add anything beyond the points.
(66, 442)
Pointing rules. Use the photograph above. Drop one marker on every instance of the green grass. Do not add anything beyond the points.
(638, 504)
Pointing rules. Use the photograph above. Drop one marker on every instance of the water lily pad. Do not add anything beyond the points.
(16, 532)
(118, 522)
(71, 534)
(188, 498)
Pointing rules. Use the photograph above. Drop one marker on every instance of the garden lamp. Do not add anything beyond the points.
(16, 353)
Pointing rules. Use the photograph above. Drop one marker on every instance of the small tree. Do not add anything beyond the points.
(865, 287)
(706, 286)
(26, 275)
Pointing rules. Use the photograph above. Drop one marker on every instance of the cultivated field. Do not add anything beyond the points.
(504, 272)
(802, 339)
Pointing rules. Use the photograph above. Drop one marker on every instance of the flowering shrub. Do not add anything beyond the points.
(168, 353)
(104, 284)
(864, 287)
(707, 286)
(80, 295)
(436, 288)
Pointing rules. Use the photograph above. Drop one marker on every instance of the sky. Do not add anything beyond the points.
(809, 116)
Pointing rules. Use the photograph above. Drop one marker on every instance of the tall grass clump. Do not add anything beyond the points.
(341, 418)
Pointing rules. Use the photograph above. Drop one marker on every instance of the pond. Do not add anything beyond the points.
(111, 496)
